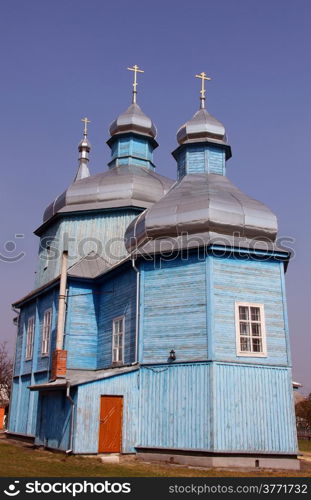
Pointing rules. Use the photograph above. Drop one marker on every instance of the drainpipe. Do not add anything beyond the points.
(137, 309)
(59, 359)
(72, 416)
(62, 303)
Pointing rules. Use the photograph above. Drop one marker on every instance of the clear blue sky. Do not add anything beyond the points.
(64, 59)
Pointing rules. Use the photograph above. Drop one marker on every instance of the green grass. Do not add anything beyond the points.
(305, 445)
(20, 460)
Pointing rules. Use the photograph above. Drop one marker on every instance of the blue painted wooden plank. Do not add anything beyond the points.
(175, 311)
(254, 409)
(88, 411)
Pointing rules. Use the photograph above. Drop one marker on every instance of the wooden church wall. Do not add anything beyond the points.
(254, 409)
(81, 332)
(177, 400)
(54, 417)
(116, 297)
(102, 232)
(239, 280)
(173, 310)
(88, 411)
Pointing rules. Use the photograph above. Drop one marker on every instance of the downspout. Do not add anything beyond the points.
(137, 309)
(62, 303)
(72, 416)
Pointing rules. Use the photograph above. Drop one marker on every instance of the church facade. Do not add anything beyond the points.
(158, 322)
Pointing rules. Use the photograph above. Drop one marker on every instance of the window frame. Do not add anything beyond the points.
(114, 320)
(48, 339)
(251, 354)
(29, 345)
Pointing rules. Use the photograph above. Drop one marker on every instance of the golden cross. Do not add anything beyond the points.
(136, 70)
(85, 121)
(202, 91)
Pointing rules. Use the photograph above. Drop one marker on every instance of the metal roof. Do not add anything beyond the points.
(121, 186)
(77, 377)
(89, 266)
(133, 120)
(202, 126)
(203, 205)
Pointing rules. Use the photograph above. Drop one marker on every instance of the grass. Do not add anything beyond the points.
(305, 445)
(21, 460)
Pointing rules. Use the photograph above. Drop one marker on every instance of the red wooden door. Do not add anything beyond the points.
(110, 426)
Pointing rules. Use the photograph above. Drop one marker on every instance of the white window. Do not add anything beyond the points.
(250, 329)
(30, 337)
(118, 339)
(46, 332)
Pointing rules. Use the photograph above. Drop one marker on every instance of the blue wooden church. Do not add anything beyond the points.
(158, 321)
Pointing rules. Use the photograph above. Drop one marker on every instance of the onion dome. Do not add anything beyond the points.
(202, 127)
(124, 186)
(133, 120)
(201, 206)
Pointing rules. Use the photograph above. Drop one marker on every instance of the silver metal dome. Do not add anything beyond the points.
(124, 186)
(201, 205)
(202, 127)
(133, 120)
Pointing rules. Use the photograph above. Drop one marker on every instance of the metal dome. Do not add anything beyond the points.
(124, 186)
(202, 205)
(202, 127)
(133, 120)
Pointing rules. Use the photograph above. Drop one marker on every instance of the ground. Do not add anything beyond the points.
(18, 459)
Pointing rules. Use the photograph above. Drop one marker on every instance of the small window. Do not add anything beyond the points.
(46, 332)
(30, 337)
(117, 339)
(250, 329)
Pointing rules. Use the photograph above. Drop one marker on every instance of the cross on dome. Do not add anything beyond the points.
(203, 78)
(136, 70)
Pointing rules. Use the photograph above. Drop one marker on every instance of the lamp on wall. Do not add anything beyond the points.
(172, 355)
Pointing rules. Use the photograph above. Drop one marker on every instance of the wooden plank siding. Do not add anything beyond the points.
(254, 409)
(102, 233)
(174, 315)
(81, 332)
(117, 297)
(249, 281)
(201, 158)
(177, 400)
(88, 411)
(54, 415)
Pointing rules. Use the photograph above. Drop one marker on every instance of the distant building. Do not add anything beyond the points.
(4, 403)
(297, 395)
(169, 337)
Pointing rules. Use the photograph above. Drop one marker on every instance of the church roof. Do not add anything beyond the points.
(133, 120)
(89, 266)
(203, 127)
(203, 204)
(121, 186)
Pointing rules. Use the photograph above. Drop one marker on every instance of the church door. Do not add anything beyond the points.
(110, 425)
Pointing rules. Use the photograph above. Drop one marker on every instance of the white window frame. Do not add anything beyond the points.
(114, 346)
(46, 332)
(30, 335)
(252, 354)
